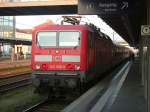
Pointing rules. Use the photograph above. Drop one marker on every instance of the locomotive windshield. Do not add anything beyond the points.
(46, 39)
(69, 38)
(58, 38)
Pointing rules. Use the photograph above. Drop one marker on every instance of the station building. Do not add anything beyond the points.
(7, 30)
(25, 49)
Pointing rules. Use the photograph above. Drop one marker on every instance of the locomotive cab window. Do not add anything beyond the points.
(46, 38)
(69, 38)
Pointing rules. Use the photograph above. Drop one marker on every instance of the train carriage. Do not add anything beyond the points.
(71, 55)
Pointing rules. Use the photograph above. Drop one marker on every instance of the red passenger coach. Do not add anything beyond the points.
(69, 56)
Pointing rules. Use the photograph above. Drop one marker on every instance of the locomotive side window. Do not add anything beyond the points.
(46, 38)
(69, 38)
(90, 40)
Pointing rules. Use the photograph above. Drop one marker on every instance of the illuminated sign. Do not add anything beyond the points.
(107, 6)
(145, 30)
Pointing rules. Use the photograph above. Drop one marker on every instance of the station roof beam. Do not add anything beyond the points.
(16, 41)
(37, 7)
(126, 20)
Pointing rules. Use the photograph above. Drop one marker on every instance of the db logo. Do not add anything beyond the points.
(57, 58)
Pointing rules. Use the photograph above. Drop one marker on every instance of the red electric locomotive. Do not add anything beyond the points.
(69, 56)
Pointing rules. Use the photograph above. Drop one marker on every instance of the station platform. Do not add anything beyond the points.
(8, 68)
(9, 64)
(131, 95)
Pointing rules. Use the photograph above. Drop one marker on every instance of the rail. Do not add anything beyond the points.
(34, 107)
(50, 105)
(14, 82)
(95, 99)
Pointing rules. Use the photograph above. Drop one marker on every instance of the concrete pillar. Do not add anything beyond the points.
(12, 54)
(3, 49)
(14, 27)
(145, 69)
(141, 61)
(148, 59)
(148, 78)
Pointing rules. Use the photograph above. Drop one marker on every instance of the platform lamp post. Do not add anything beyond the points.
(145, 32)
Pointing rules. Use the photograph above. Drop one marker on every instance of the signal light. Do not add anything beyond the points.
(69, 66)
(44, 66)
(56, 51)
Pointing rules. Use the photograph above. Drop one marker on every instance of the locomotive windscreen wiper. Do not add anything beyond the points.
(78, 43)
(75, 46)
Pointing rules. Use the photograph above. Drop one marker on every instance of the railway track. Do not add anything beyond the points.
(88, 100)
(52, 105)
(13, 82)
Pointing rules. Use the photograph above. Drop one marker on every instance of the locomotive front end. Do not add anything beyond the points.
(56, 58)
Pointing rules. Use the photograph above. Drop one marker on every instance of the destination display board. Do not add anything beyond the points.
(107, 6)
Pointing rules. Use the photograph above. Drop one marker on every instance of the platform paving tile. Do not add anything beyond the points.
(131, 95)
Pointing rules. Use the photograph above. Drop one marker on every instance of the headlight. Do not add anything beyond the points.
(37, 66)
(56, 51)
(77, 67)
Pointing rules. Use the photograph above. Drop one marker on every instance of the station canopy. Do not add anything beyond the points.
(125, 17)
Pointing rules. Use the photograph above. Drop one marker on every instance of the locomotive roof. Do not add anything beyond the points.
(61, 27)
(70, 27)
(74, 27)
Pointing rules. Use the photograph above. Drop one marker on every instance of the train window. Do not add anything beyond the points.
(69, 38)
(90, 41)
(46, 38)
